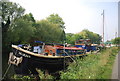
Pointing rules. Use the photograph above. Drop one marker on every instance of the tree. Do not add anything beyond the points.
(63, 37)
(56, 19)
(70, 38)
(84, 34)
(116, 40)
(29, 17)
(10, 12)
(20, 32)
(47, 32)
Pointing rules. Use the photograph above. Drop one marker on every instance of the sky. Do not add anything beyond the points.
(77, 14)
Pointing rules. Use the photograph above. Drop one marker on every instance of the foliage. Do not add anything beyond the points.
(10, 12)
(85, 34)
(71, 38)
(20, 32)
(18, 28)
(47, 32)
(116, 40)
(41, 75)
(56, 19)
(15, 28)
(44, 76)
(94, 66)
(29, 17)
(23, 78)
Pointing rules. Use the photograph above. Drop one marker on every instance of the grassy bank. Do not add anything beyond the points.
(94, 66)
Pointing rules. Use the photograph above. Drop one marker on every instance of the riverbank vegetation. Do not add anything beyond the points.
(93, 66)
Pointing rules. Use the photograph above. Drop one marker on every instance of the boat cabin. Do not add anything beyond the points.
(53, 50)
(85, 44)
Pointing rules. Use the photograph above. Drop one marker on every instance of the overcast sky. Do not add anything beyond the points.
(77, 14)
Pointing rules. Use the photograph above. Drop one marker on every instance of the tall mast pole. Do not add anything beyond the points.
(103, 26)
(116, 35)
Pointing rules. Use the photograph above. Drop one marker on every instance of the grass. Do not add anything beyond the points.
(22, 78)
(31, 77)
(44, 76)
(94, 66)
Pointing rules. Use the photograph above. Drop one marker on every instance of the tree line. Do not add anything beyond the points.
(116, 40)
(18, 28)
(84, 34)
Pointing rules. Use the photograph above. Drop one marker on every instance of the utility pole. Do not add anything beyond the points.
(103, 25)
(116, 35)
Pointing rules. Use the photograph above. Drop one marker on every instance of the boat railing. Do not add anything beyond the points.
(70, 56)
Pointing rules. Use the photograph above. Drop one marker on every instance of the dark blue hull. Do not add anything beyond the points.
(30, 63)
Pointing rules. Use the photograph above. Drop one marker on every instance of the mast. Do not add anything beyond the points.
(116, 35)
(103, 25)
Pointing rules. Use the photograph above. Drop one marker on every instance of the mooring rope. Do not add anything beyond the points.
(6, 71)
(8, 68)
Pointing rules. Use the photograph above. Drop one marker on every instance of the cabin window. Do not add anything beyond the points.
(60, 51)
(36, 49)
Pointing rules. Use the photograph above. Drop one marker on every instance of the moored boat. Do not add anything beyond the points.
(86, 44)
(27, 58)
